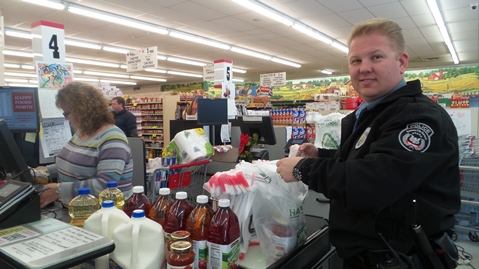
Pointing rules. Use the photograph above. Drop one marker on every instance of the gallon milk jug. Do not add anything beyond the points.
(139, 243)
(103, 222)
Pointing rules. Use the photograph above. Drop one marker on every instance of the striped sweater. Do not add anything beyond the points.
(93, 162)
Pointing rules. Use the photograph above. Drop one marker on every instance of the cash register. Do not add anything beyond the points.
(261, 126)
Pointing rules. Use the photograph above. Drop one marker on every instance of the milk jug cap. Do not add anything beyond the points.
(138, 189)
(201, 199)
(224, 203)
(84, 191)
(164, 191)
(111, 184)
(181, 195)
(107, 204)
(138, 213)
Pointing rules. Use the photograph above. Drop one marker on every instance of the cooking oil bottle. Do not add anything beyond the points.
(82, 206)
(112, 193)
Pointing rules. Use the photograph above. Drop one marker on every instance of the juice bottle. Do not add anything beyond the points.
(137, 201)
(82, 206)
(161, 206)
(178, 213)
(282, 236)
(223, 237)
(197, 224)
(112, 193)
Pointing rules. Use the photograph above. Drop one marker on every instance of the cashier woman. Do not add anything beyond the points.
(397, 165)
(97, 153)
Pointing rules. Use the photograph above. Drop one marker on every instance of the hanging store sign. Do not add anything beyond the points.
(273, 79)
(142, 59)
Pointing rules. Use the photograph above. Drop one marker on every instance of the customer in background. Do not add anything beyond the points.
(397, 164)
(97, 153)
(124, 118)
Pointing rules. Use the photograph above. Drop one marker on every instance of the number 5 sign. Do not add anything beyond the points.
(48, 41)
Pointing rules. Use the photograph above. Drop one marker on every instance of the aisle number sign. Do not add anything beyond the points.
(142, 59)
(272, 79)
(223, 72)
(48, 41)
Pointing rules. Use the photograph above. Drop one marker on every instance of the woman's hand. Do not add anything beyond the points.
(49, 195)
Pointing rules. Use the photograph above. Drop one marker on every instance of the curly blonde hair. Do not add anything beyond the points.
(87, 104)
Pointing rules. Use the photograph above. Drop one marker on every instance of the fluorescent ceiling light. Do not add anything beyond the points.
(101, 74)
(236, 70)
(200, 40)
(82, 44)
(87, 79)
(148, 78)
(312, 33)
(185, 61)
(77, 71)
(28, 67)
(251, 53)
(156, 71)
(265, 11)
(14, 74)
(18, 53)
(21, 85)
(16, 80)
(11, 65)
(118, 82)
(161, 57)
(17, 33)
(327, 72)
(340, 46)
(184, 74)
(45, 3)
(237, 80)
(281, 61)
(83, 61)
(442, 28)
(116, 49)
(123, 66)
(113, 18)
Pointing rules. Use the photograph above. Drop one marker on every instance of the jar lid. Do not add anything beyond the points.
(138, 189)
(202, 199)
(181, 234)
(164, 191)
(180, 245)
(181, 195)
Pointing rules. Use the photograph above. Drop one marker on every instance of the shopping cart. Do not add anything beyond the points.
(188, 177)
(467, 218)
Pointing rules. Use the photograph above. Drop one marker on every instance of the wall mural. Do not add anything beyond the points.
(438, 83)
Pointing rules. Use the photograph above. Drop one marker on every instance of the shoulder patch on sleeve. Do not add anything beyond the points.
(416, 137)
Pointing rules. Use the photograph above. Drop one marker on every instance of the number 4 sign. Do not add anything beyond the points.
(48, 41)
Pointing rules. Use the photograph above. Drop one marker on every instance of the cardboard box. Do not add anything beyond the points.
(226, 157)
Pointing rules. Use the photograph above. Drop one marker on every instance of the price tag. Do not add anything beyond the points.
(48, 41)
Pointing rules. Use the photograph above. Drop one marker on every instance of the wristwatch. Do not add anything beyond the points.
(297, 174)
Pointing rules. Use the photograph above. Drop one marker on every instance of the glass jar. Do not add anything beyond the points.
(180, 235)
(181, 254)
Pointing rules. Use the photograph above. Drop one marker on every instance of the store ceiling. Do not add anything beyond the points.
(227, 21)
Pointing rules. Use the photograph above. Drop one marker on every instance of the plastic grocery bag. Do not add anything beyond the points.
(278, 215)
(328, 131)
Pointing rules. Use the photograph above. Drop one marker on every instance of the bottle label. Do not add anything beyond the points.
(200, 249)
(189, 266)
(223, 256)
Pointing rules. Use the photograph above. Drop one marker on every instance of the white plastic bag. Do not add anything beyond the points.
(278, 214)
